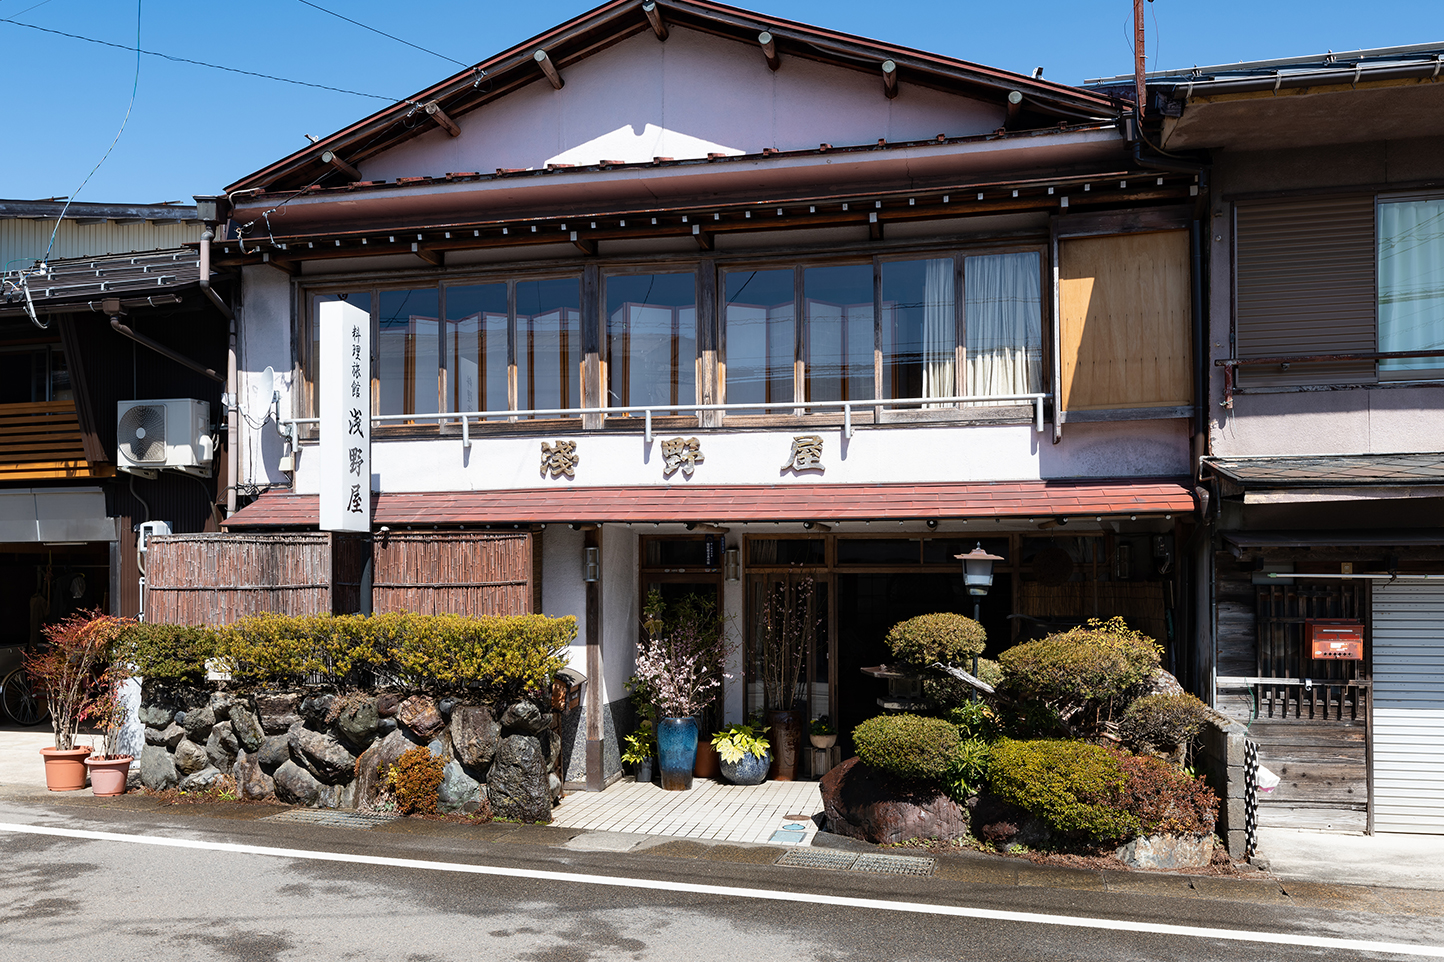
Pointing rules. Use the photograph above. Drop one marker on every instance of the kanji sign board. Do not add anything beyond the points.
(345, 416)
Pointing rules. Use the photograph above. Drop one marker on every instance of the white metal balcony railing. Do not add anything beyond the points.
(289, 426)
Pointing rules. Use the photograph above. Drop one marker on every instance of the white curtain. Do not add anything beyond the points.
(1411, 282)
(1003, 315)
(940, 335)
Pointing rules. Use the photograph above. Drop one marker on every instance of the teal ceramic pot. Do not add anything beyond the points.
(676, 752)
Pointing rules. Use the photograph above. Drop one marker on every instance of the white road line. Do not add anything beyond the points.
(920, 908)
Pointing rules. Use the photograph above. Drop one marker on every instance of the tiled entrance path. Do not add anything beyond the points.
(711, 810)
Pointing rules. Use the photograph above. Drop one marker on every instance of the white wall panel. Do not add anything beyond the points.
(1408, 718)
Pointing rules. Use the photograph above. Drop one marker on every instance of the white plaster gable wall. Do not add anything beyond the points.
(265, 341)
(1012, 452)
(692, 95)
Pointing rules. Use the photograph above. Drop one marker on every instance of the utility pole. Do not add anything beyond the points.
(1138, 61)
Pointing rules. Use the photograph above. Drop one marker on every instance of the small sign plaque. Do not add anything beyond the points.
(1336, 640)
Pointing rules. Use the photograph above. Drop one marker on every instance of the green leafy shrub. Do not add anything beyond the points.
(1088, 667)
(969, 769)
(942, 637)
(990, 672)
(1162, 721)
(1164, 799)
(508, 655)
(976, 719)
(1073, 785)
(414, 781)
(736, 741)
(169, 654)
(908, 746)
(948, 692)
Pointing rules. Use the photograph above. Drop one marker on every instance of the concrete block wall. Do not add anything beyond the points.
(1222, 763)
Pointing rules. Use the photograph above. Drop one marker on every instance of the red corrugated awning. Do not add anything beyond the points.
(738, 503)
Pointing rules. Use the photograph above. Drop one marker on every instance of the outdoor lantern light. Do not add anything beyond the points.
(732, 564)
(594, 565)
(978, 570)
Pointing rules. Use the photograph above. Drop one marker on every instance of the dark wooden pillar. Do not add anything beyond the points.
(596, 777)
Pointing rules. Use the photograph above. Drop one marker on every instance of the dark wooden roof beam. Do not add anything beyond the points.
(889, 79)
(654, 17)
(329, 157)
(432, 257)
(549, 68)
(434, 111)
(769, 49)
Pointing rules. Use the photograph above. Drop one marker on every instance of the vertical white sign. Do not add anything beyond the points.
(345, 417)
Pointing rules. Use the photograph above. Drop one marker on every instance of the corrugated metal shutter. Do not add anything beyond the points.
(1304, 284)
(1408, 722)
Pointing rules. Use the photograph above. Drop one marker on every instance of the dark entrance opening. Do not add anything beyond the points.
(870, 604)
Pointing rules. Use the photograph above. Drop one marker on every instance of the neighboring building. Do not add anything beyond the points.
(1325, 459)
(866, 307)
(90, 230)
(93, 333)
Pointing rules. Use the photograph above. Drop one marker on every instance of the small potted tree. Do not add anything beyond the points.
(786, 632)
(110, 770)
(680, 664)
(78, 670)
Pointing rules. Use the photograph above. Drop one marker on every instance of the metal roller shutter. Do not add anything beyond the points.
(1408, 722)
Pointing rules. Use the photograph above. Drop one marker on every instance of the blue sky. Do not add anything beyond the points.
(193, 130)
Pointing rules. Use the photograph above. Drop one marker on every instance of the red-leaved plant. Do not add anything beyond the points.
(82, 675)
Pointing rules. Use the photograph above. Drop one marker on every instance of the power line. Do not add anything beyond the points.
(383, 33)
(134, 86)
(202, 63)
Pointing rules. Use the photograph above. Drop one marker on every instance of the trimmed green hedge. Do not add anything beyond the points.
(1162, 721)
(1098, 793)
(908, 746)
(506, 655)
(1073, 785)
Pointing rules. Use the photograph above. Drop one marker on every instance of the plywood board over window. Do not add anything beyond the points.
(1124, 321)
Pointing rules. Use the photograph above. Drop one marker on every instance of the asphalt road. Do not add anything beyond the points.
(152, 883)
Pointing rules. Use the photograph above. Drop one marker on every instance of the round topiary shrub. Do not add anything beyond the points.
(1101, 661)
(1074, 786)
(908, 746)
(1162, 721)
(941, 637)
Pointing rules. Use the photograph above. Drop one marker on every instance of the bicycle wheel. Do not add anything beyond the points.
(20, 700)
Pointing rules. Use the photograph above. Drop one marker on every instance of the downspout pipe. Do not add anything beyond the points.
(207, 236)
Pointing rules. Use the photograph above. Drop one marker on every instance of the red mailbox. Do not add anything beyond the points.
(1336, 639)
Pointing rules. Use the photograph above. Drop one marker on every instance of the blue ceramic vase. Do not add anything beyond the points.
(747, 770)
(676, 752)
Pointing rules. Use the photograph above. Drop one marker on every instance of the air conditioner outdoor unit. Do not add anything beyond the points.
(171, 433)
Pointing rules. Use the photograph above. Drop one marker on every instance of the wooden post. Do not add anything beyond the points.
(596, 777)
(594, 391)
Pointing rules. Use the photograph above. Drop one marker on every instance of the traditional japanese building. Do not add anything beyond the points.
(684, 297)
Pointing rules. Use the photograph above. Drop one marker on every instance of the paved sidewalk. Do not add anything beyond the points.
(1399, 861)
(776, 812)
(21, 767)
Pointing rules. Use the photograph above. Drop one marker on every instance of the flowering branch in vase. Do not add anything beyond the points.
(681, 659)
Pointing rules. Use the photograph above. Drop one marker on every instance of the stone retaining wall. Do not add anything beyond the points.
(327, 751)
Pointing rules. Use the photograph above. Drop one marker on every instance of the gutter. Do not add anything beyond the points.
(1429, 69)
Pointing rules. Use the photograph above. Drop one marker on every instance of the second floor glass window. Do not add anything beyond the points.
(477, 348)
(761, 335)
(408, 351)
(548, 344)
(1411, 283)
(651, 339)
(1003, 316)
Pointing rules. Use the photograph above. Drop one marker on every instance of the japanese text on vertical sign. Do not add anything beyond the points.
(345, 405)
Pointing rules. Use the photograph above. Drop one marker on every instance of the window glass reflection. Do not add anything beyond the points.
(761, 336)
(651, 339)
(476, 348)
(839, 345)
(408, 351)
(919, 329)
(548, 344)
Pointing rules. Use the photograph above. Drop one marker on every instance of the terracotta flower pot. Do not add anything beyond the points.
(65, 769)
(707, 760)
(108, 775)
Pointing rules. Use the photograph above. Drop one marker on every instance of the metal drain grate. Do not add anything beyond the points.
(817, 858)
(894, 864)
(332, 817)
